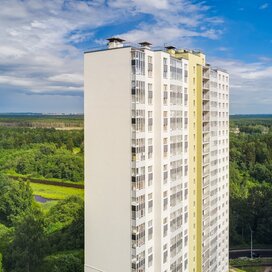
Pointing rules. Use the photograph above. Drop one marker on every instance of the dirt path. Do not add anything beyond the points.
(268, 269)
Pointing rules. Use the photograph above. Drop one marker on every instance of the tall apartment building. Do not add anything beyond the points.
(156, 163)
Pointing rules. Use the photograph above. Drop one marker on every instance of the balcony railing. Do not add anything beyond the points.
(206, 118)
(206, 107)
(206, 75)
(206, 128)
(206, 150)
(206, 96)
(206, 86)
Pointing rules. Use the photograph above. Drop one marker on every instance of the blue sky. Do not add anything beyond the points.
(42, 45)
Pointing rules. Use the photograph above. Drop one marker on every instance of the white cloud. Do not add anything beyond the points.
(69, 78)
(223, 49)
(250, 85)
(38, 51)
(175, 22)
(37, 37)
(264, 6)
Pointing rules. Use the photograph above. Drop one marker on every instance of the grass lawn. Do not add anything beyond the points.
(254, 269)
(248, 269)
(48, 205)
(235, 270)
(55, 192)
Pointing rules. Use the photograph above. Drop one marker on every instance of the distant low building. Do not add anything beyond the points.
(235, 130)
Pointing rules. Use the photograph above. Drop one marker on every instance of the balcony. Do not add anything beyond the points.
(138, 178)
(206, 73)
(206, 160)
(205, 205)
(206, 171)
(206, 76)
(206, 118)
(206, 86)
(206, 150)
(206, 107)
(206, 128)
(137, 157)
(206, 139)
(206, 181)
(206, 96)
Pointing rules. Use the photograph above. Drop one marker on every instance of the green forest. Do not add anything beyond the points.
(251, 181)
(47, 153)
(42, 189)
(32, 239)
(41, 201)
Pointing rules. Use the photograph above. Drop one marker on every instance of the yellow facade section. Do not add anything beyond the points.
(195, 62)
(199, 167)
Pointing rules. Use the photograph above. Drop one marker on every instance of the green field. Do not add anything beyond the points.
(55, 192)
(248, 269)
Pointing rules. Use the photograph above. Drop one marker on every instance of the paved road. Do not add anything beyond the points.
(234, 254)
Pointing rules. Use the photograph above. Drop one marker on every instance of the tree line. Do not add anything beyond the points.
(46, 153)
(11, 138)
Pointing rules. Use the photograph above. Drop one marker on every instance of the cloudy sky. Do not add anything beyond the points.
(42, 44)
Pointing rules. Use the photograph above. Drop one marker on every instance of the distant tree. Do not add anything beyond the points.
(1, 258)
(261, 173)
(70, 144)
(63, 262)
(29, 245)
(63, 214)
(6, 236)
(259, 204)
(70, 237)
(16, 198)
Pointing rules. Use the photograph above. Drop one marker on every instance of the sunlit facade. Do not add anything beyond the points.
(156, 163)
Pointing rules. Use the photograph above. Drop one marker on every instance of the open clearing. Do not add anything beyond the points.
(55, 192)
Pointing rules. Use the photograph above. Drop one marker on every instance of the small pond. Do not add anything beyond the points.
(41, 199)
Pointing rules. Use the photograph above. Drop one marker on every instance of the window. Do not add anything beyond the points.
(150, 94)
(185, 73)
(138, 209)
(138, 91)
(138, 62)
(165, 147)
(150, 121)
(165, 230)
(165, 95)
(165, 255)
(150, 230)
(150, 66)
(150, 260)
(165, 68)
(150, 148)
(175, 69)
(165, 120)
(185, 96)
(165, 200)
(138, 235)
(150, 178)
(150, 203)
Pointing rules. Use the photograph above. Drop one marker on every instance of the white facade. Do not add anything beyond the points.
(136, 162)
(216, 162)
